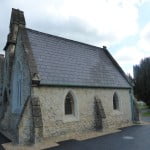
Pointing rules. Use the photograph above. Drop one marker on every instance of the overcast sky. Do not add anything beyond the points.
(121, 25)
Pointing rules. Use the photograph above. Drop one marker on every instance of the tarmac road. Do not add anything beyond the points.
(131, 138)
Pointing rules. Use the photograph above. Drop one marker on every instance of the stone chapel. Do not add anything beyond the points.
(52, 86)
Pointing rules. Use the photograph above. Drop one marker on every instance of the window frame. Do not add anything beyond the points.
(116, 105)
(75, 110)
(69, 104)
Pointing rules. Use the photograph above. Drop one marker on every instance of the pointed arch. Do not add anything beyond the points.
(69, 104)
(115, 101)
(71, 107)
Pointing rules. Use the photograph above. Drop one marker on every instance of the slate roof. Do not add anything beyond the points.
(66, 62)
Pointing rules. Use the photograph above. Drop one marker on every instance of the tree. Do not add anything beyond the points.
(142, 80)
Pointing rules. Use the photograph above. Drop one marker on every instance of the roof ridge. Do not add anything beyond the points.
(66, 39)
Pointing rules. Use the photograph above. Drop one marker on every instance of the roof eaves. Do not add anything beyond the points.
(83, 86)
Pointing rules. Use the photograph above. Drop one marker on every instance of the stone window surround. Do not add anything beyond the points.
(117, 102)
(119, 111)
(75, 115)
(69, 104)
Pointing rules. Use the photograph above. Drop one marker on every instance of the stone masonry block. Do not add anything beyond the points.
(35, 101)
(38, 134)
(36, 111)
(37, 122)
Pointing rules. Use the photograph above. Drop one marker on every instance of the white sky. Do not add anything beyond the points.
(122, 25)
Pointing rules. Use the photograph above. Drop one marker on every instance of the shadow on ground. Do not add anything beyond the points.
(3, 140)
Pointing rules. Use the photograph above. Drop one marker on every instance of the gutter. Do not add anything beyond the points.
(81, 86)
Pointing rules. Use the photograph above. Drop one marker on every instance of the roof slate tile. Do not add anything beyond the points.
(65, 62)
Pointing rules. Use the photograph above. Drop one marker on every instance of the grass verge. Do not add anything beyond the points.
(146, 114)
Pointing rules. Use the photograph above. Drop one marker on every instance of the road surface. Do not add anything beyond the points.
(131, 138)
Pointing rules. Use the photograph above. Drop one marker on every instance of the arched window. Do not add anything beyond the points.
(17, 88)
(115, 101)
(69, 104)
(19, 84)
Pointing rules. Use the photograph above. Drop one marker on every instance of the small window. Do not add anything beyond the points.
(115, 101)
(69, 104)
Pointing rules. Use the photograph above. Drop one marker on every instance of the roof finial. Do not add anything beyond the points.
(104, 47)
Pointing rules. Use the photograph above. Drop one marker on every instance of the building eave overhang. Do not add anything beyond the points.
(81, 86)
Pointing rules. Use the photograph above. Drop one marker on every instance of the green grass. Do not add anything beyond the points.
(144, 109)
(146, 114)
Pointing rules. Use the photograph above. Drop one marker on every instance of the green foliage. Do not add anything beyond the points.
(142, 106)
(142, 80)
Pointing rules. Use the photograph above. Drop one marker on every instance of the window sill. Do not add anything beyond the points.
(117, 112)
(70, 118)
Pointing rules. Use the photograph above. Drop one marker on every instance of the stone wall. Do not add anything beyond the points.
(25, 82)
(12, 115)
(25, 128)
(1, 73)
(1, 83)
(30, 126)
(55, 123)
